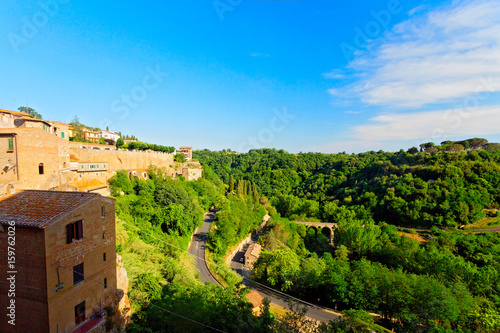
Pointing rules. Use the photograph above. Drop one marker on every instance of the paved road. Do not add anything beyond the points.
(197, 248)
(312, 312)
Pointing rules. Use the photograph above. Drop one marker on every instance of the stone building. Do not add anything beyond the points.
(109, 135)
(91, 136)
(32, 158)
(252, 254)
(186, 151)
(65, 260)
(192, 173)
(61, 130)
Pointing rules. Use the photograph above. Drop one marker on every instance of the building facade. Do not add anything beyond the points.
(65, 260)
(91, 136)
(109, 135)
(32, 158)
(252, 254)
(186, 151)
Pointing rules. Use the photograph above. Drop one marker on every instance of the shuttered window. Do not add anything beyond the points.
(74, 231)
(11, 143)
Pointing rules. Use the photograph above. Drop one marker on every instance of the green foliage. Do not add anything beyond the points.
(137, 145)
(162, 278)
(236, 217)
(180, 158)
(30, 111)
(442, 189)
(119, 143)
(121, 183)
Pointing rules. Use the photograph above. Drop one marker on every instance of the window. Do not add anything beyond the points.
(74, 231)
(78, 274)
(80, 313)
(44, 127)
(104, 256)
(62, 135)
(40, 169)
(105, 283)
(11, 143)
(103, 213)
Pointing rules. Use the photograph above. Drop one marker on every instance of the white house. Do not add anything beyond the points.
(109, 135)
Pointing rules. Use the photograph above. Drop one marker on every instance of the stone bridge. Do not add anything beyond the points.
(325, 228)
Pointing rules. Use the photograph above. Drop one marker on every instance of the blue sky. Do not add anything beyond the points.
(305, 75)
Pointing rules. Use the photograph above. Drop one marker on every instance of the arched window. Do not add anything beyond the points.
(40, 169)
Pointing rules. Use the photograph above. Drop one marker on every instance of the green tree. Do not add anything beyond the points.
(178, 157)
(231, 184)
(30, 111)
(119, 143)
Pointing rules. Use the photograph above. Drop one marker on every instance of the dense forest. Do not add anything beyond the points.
(419, 189)
(447, 281)
(155, 221)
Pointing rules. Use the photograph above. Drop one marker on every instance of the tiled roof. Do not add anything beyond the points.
(36, 209)
(254, 298)
(17, 113)
(85, 184)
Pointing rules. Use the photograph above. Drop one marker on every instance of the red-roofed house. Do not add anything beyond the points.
(64, 267)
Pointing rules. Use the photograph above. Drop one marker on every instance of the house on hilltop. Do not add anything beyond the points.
(186, 151)
(108, 135)
(91, 136)
(65, 260)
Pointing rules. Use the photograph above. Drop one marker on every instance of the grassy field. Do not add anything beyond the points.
(486, 223)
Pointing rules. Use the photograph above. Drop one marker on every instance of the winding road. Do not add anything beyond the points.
(197, 249)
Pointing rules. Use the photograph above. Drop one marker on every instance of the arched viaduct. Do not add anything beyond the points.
(325, 228)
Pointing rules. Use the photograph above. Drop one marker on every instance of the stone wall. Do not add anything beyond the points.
(35, 147)
(123, 159)
(238, 248)
(98, 238)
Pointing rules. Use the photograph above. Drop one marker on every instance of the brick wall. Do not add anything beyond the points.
(31, 303)
(35, 146)
(88, 251)
(8, 158)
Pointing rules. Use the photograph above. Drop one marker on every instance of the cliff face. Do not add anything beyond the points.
(124, 312)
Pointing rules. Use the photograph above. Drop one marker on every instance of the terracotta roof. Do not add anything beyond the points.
(85, 184)
(17, 113)
(254, 298)
(59, 123)
(28, 118)
(37, 209)
(185, 147)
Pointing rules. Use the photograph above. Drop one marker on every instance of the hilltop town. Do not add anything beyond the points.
(38, 154)
(57, 223)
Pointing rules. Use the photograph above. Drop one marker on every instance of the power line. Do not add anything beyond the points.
(223, 268)
(156, 306)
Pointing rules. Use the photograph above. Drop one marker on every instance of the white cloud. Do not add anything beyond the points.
(432, 125)
(334, 74)
(433, 58)
(396, 131)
